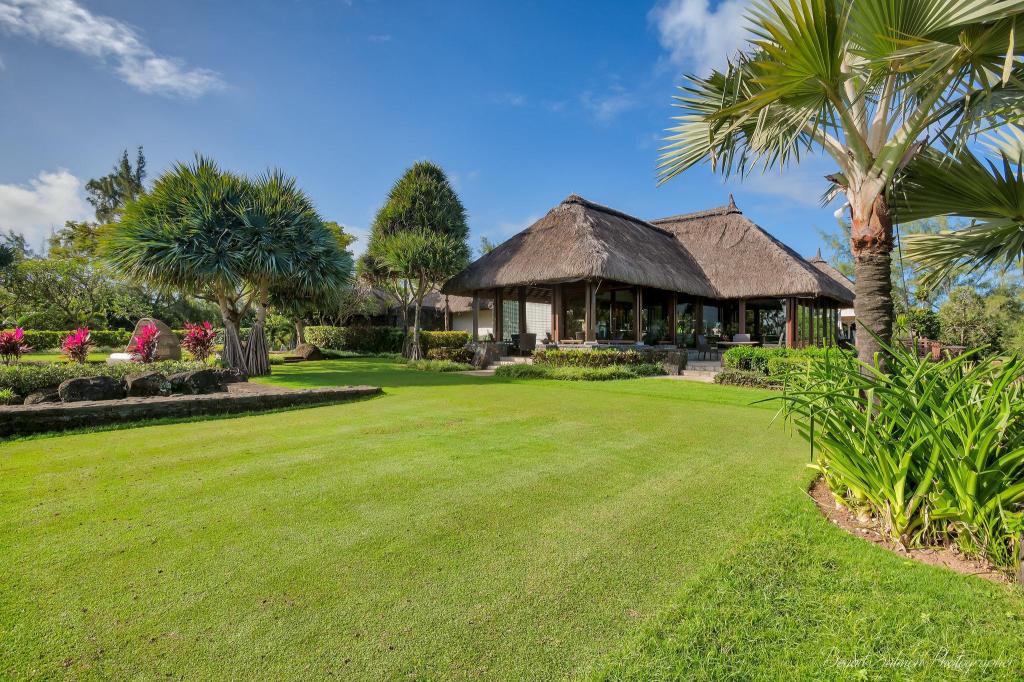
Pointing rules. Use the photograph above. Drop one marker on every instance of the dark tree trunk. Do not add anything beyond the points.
(232, 355)
(447, 314)
(871, 241)
(300, 331)
(257, 356)
(414, 352)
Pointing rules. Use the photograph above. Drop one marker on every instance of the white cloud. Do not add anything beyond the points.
(67, 24)
(802, 186)
(45, 203)
(698, 37)
(607, 107)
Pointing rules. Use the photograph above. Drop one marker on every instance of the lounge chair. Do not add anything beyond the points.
(704, 348)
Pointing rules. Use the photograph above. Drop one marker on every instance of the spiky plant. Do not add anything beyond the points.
(870, 83)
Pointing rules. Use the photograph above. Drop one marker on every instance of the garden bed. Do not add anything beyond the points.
(240, 397)
(947, 557)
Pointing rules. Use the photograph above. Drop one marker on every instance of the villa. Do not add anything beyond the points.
(589, 274)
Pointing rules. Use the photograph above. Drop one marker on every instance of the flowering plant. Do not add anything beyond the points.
(143, 345)
(77, 345)
(13, 345)
(199, 340)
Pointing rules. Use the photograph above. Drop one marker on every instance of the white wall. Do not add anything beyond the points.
(463, 322)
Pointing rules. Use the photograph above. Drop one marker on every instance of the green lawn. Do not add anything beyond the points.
(464, 527)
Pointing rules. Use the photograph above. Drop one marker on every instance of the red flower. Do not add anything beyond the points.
(199, 340)
(12, 345)
(77, 345)
(143, 345)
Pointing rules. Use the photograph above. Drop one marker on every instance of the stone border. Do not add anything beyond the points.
(20, 420)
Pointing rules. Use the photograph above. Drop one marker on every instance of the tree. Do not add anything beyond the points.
(418, 240)
(486, 246)
(963, 320)
(109, 193)
(224, 238)
(75, 240)
(873, 84)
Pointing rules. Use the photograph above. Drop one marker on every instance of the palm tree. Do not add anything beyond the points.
(873, 84)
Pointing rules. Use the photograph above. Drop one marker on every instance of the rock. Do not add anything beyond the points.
(486, 354)
(197, 381)
(673, 362)
(308, 351)
(167, 345)
(43, 395)
(231, 376)
(90, 388)
(147, 384)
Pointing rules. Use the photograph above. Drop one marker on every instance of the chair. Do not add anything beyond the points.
(704, 348)
(741, 338)
(527, 343)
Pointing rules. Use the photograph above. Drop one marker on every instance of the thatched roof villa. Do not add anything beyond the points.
(608, 277)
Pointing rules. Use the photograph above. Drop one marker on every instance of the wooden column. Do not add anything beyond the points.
(499, 321)
(590, 313)
(791, 322)
(556, 312)
(522, 310)
(476, 316)
(638, 305)
(673, 305)
(743, 317)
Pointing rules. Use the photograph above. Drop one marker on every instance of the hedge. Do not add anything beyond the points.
(462, 354)
(102, 338)
(597, 357)
(742, 377)
(357, 338)
(431, 340)
(24, 378)
(755, 359)
(576, 373)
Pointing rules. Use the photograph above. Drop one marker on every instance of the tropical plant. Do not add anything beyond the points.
(199, 340)
(873, 84)
(77, 345)
(933, 450)
(109, 194)
(222, 238)
(418, 240)
(13, 345)
(143, 345)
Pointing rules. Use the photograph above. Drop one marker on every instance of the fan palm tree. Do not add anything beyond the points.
(875, 85)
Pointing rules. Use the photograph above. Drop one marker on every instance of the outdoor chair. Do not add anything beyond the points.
(705, 348)
(527, 343)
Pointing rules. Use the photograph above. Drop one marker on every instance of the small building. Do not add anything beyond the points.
(586, 273)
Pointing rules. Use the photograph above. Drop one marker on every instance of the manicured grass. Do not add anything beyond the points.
(59, 357)
(463, 527)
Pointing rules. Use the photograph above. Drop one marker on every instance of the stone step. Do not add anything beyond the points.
(513, 360)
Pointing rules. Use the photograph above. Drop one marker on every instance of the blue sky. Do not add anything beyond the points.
(522, 103)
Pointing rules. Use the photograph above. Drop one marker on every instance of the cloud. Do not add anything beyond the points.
(802, 186)
(698, 37)
(607, 107)
(67, 24)
(380, 38)
(45, 203)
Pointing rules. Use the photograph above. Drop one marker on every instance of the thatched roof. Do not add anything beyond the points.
(825, 267)
(717, 253)
(579, 239)
(743, 261)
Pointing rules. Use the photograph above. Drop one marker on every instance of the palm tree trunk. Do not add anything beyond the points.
(300, 331)
(232, 355)
(871, 240)
(414, 346)
(257, 356)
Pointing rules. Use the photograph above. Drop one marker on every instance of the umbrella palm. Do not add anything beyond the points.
(870, 83)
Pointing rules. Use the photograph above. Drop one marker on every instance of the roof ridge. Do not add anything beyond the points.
(587, 203)
(718, 210)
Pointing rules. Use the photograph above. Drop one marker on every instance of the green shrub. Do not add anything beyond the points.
(362, 339)
(8, 397)
(574, 373)
(757, 359)
(25, 378)
(934, 450)
(440, 366)
(42, 340)
(461, 354)
(431, 340)
(780, 367)
(596, 357)
(522, 371)
(743, 377)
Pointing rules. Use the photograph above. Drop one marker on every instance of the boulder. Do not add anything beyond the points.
(167, 346)
(672, 361)
(43, 395)
(90, 388)
(486, 354)
(231, 376)
(308, 351)
(147, 384)
(197, 381)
